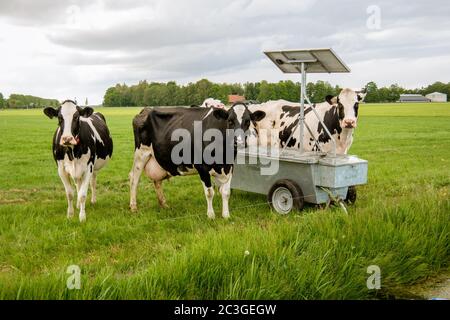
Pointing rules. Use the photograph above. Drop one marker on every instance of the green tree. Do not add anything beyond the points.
(2, 101)
(372, 92)
(251, 91)
(318, 91)
(111, 98)
(267, 91)
(26, 101)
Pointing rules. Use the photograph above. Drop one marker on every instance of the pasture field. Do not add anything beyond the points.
(400, 222)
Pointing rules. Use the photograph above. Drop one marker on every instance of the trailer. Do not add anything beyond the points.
(291, 177)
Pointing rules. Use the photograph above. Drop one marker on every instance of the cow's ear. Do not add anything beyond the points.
(86, 111)
(361, 96)
(51, 112)
(220, 114)
(258, 115)
(330, 99)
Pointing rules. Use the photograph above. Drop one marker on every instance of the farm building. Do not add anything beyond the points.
(413, 98)
(437, 97)
(233, 98)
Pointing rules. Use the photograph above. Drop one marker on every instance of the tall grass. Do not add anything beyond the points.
(400, 223)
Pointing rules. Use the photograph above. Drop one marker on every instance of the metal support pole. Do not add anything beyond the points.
(324, 127)
(302, 105)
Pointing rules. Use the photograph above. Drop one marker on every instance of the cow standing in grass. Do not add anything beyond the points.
(157, 135)
(82, 146)
(339, 114)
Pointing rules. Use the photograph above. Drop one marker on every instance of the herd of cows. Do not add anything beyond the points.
(82, 143)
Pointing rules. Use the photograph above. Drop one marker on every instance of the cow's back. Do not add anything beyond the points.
(155, 127)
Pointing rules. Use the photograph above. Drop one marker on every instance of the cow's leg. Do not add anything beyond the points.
(82, 192)
(160, 194)
(224, 184)
(209, 192)
(69, 190)
(94, 187)
(141, 156)
(78, 182)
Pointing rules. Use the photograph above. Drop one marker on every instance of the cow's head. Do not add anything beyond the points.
(241, 120)
(69, 121)
(347, 103)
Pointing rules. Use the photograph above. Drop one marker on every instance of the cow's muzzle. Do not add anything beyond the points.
(69, 141)
(349, 123)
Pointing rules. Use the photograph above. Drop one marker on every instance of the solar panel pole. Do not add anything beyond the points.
(302, 105)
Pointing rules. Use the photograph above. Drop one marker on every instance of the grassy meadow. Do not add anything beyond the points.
(401, 222)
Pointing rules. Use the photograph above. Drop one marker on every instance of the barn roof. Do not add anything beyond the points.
(413, 97)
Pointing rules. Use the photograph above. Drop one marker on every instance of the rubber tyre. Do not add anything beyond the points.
(290, 192)
(351, 195)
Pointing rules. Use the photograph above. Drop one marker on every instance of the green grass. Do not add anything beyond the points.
(400, 222)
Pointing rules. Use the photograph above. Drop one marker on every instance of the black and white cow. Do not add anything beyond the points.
(154, 132)
(339, 114)
(82, 146)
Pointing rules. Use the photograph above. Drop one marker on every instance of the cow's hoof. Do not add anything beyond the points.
(226, 215)
(93, 201)
(164, 206)
(82, 218)
(211, 215)
(69, 214)
(133, 208)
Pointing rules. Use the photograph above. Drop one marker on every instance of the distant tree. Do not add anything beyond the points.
(318, 91)
(372, 92)
(251, 91)
(112, 97)
(26, 101)
(172, 94)
(2, 101)
(437, 87)
(266, 91)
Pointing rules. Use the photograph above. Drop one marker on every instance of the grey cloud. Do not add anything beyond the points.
(161, 40)
(37, 12)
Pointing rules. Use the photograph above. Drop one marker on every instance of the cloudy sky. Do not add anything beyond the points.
(78, 48)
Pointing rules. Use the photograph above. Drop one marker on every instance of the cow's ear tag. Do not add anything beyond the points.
(220, 114)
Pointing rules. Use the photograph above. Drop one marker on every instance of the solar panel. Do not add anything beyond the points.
(316, 61)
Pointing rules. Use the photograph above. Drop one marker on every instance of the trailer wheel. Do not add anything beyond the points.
(351, 195)
(285, 196)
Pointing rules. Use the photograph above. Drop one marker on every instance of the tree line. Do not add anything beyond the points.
(20, 101)
(171, 94)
